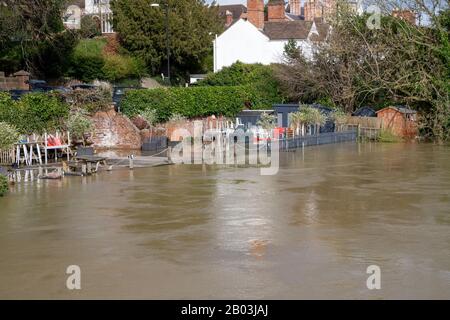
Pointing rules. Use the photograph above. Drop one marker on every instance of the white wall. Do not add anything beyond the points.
(244, 42)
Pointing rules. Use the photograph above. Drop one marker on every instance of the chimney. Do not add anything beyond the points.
(255, 12)
(276, 10)
(229, 20)
(295, 7)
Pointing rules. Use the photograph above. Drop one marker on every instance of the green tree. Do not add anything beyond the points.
(142, 31)
(291, 50)
(32, 37)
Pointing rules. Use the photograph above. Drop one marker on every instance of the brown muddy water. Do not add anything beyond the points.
(202, 232)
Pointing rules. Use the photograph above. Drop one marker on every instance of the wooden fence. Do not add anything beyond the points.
(7, 157)
(369, 127)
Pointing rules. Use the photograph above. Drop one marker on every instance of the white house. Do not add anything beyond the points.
(260, 38)
(100, 10)
(244, 42)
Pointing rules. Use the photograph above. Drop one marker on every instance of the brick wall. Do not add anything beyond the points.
(17, 81)
(276, 10)
(255, 12)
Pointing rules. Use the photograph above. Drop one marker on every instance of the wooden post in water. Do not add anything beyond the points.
(131, 162)
(83, 169)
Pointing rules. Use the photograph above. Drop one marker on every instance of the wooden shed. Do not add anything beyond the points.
(400, 121)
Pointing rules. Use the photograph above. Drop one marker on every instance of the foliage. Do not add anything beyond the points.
(32, 37)
(258, 76)
(176, 117)
(149, 115)
(118, 67)
(8, 136)
(267, 121)
(34, 112)
(4, 186)
(311, 116)
(401, 63)
(41, 112)
(89, 62)
(339, 117)
(387, 137)
(142, 30)
(189, 102)
(291, 50)
(90, 27)
(91, 100)
(78, 124)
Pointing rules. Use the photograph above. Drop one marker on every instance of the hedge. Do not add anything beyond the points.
(190, 102)
(4, 186)
(34, 112)
(260, 77)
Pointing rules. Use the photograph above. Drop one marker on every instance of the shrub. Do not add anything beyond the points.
(8, 109)
(8, 135)
(267, 121)
(260, 77)
(90, 27)
(190, 102)
(119, 67)
(89, 61)
(41, 112)
(4, 187)
(150, 115)
(89, 100)
(34, 112)
(387, 137)
(78, 124)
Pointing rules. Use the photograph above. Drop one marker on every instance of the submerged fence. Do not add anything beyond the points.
(319, 139)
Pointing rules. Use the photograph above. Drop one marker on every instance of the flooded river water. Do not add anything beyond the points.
(205, 232)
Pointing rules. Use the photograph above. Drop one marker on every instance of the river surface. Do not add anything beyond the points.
(201, 232)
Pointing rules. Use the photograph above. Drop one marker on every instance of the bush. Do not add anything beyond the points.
(259, 77)
(190, 102)
(4, 187)
(86, 62)
(90, 62)
(86, 67)
(90, 27)
(78, 124)
(34, 112)
(41, 112)
(387, 137)
(8, 136)
(267, 121)
(91, 100)
(119, 67)
(150, 115)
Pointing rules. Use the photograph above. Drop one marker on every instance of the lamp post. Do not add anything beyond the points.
(166, 7)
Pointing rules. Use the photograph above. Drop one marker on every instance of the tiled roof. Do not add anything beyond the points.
(236, 9)
(287, 29)
(79, 3)
(322, 29)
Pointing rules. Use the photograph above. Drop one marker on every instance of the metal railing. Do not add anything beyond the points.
(318, 139)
